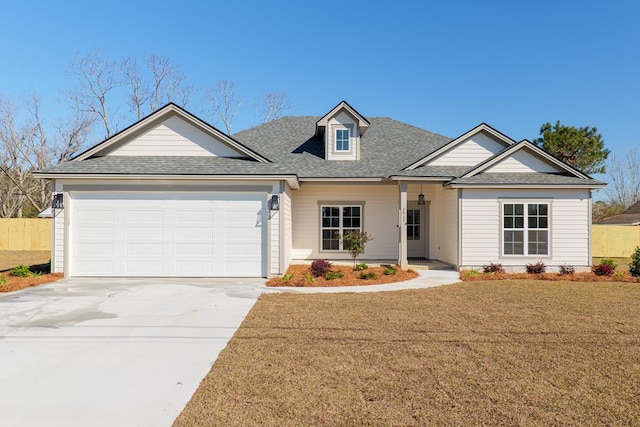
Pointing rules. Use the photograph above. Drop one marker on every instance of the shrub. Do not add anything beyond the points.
(634, 266)
(492, 268)
(361, 266)
(566, 269)
(21, 271)
(287, 277)
(368, 275)
(332, 275)
(320, 267)
(602, 270)
(354, 241)
(3, 280)
(309, 278)
(470, 273)
(609, 261)
(537, 268)
(389, 271)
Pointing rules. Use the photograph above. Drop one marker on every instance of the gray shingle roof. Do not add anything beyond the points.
(630, 216)
(165, 165)
(524, 179)
(385, 148)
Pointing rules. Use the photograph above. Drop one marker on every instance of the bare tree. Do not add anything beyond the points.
(98, 78)
(224, 102)
(624, 178)
(272, 106)
(157, 84)
(26, 147)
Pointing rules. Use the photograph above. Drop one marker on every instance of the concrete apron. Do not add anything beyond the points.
(116, 352)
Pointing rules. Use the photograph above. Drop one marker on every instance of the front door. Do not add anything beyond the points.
(417, 230)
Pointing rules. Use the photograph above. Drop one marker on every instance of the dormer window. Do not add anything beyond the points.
(342, 139)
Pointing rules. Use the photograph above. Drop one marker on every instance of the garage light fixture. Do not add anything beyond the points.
(57, 201)
(274, 203)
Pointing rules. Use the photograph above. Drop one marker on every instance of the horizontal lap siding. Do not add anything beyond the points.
(470, 152)
(380, 219)
(569, 227)
(58, 241)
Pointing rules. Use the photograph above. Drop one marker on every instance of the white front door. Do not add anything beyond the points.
(157, 234)
(417, 230)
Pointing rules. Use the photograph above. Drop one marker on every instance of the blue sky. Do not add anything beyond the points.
(442, 66)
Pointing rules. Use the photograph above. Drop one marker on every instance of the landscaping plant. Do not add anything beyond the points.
(320, 267)
(566, 269)
(361, 266)
(22, 271)
(333, 275)
(367, 275)
(537, 268)
(354, 241)
(634, 266)
(609, 261)
(389, 271)
(602, 270)
(492, 268)
(3, 280)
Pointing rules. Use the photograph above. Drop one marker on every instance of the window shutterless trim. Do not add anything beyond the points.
(525, 230)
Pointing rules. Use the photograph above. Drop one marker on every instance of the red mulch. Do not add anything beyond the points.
(15, 283)
(618, 276)
(351, 278)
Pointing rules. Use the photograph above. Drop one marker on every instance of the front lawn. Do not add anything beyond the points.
(519, 352)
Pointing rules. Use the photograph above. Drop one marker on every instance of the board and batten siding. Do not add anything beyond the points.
(174, 137)
(520, 162)
(469, 152)
(380, 219)
(481, 227)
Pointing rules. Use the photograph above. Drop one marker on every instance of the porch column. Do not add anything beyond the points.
(402, 227)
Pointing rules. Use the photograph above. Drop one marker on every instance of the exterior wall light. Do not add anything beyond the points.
(56, 203)
(274, 203)
(421, 197)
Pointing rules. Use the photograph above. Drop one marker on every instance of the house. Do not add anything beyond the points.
(172, 195)
(631, 216)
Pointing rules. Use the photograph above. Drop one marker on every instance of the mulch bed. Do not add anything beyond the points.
(618, 276)
(351, 278)
(15, 283)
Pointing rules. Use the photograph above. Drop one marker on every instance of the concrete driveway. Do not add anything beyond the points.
(113, 352)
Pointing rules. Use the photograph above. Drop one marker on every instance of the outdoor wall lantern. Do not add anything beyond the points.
(57, 201)
(421, 197)
(274, 203)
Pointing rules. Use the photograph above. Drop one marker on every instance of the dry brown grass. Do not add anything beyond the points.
(478, 353)
(351, 278)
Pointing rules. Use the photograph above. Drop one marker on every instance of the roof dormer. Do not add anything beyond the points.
(342, 128)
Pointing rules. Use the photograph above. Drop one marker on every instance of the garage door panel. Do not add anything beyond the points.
(168, 234)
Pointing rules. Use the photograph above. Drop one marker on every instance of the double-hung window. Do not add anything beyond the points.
(525, 229)
(342, 139)
(337, 220)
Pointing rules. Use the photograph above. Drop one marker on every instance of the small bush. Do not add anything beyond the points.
(332, 275)
(21, 271)
(492, 268)
(470, 273)
(609, 261)
(537, 268)
(389, 271)
(361, 266)
(369, 275)
(287, 277)
(3, 280)
(309, 278)
(602, 270)
(320, 267)
(566, 270)
(634, 266)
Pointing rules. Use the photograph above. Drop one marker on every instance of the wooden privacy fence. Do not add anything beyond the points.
(614, 241)
(25, 234)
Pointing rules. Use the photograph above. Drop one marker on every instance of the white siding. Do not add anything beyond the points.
(522, 161)
(469, 152)
(286, 227)
(175, 137)
(342, 121)
(569, 227)
(57, 259)
(274, 241)
(380, 218)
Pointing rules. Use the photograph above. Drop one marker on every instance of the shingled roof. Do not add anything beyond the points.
(631, 216)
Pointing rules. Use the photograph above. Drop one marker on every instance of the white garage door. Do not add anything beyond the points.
(168, 234)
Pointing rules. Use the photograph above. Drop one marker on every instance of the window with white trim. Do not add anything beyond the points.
(342, 139)
(335, 221)
(525, 229)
